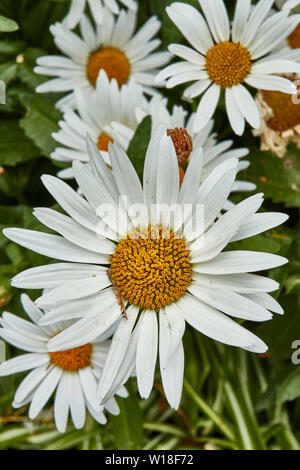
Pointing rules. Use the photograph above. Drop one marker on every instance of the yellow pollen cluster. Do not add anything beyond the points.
(294, 38)
(228, 63)
(182, 142)
(72, 359)
(151, 267)
(286, 115)
(110, 59)
(103, 141)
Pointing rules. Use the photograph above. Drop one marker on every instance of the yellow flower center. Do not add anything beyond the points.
(103, 141)
(151, 267)
(286, 114)
(294, 38)
(110, 59)
(228, 63)
(72, 359)
(182, 142)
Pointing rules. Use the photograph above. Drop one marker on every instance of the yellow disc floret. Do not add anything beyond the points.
(228, 63)
(72, 359)
(151, 267)
(110, 59)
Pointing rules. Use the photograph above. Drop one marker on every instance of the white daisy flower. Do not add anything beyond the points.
(72, 374)
(108, 114)
(96, 6)
(180, 128)
(227, 56)
(112, 46)
(154, 268)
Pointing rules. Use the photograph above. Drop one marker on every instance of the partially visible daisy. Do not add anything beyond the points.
(77, 8)
(280, 120)
(107, 114)
(112, 46)
(72, 374)
(129, 260)
(180, 128)
(226, 57)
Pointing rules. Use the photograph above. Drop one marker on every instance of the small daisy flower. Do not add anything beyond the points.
(72, 374)
(280, 120)
(112, 46)
(96, 6)
(148, 270)
(180, 128)
(108, 114)
(228, 57)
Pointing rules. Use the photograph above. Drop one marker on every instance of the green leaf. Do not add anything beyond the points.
(293, 283)
(127, 426)
(290, 388)
(139, 144)
(40, 121)
(15, 147)
(7, 25)
(278, 179)
(282, 330)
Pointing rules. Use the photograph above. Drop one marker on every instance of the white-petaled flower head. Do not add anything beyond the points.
(150, 256)
(227, 56)
(107, 114)
(113, 46)
(72, 375)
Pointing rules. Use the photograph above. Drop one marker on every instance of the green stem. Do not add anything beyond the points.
(208, 411)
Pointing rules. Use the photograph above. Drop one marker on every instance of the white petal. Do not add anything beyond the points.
(44, 392)
(76, 400)
(117, 350)
(271, 82)
(232, 304)
(171, 367)
(146, 353)
(85, 330)
(61, 404)
(259, 223)
(54, 275)
(22, 363)
(192, 25)
(53, 246)
(242, 283)
(176, 325)
(247, 105)
(217, 326)
(232, 262)
(206, 107)
(217, 18)
(241, 15)
(235, 116)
